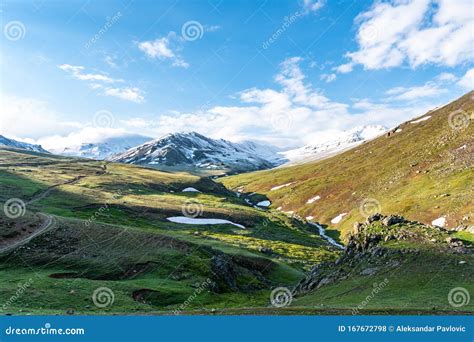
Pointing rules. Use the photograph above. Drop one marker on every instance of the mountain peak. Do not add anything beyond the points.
(192, 150)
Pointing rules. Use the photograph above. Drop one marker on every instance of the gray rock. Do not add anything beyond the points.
(393, 219)
(374, 217)
(369, 271)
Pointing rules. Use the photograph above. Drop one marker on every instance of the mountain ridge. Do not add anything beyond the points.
(4, 141)
(194, 150)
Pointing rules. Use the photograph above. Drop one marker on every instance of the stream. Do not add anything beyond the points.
(329, 239)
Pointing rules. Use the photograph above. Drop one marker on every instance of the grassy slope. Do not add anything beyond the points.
(426, 271)
(112, 220)
(405, 172)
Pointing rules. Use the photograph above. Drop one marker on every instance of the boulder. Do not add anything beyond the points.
(393, 219)
(374, 217)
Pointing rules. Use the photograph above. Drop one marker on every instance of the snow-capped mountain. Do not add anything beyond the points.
(18, 144)
(103, 149)
(193, 150)
(338, 143)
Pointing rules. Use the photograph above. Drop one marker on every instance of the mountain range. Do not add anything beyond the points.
(6, 142)
(191, 151)
(103, 149)
(195, 151)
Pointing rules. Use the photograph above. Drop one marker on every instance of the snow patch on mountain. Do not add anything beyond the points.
(194, 150)
(98, 145)
(337, 143)
(4, 141)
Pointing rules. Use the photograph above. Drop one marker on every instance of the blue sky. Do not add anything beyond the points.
(285, 72)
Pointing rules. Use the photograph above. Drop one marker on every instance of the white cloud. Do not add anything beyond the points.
(110, 60)
(344, 68)
(415, 31)
(446, 77)
(293, 115)
(56, 143)
(328, 77)
(415, 93)
(30, 118)
(135, 122)
(161, 49)
(130, 94)
(312, 5)
(467, 81)
(133, 94)
(77, 72)
(158, 48)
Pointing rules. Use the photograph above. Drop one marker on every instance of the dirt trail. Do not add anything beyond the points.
(48, 223)
(39, 196)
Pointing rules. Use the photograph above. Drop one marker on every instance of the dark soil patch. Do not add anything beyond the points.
(158, 298)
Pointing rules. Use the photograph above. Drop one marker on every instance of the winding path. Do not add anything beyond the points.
(48, 223)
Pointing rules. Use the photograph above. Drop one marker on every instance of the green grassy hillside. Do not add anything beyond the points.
(423, 170)
(104, 225)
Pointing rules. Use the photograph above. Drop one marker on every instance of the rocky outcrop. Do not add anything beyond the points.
(368, 251)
